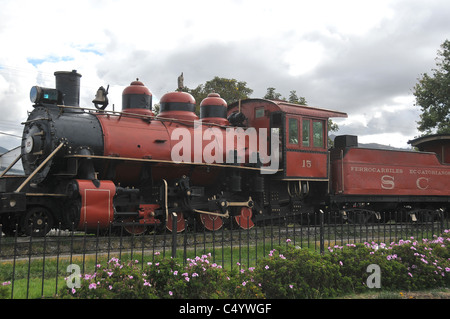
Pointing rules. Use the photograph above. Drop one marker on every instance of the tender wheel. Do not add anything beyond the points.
(362, 216)
(37, 221)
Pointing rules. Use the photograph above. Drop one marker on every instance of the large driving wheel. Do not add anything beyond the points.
(244, 219)
(180, 223)
(133, 227)
(211, 222)
(37, 221)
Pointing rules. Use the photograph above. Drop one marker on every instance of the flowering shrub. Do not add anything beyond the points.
(164, 278)
(199, 279)
(427, 261)
(409, 264)
(354, 260)
(114, 281)
(4, 289)
(298, 273)
(287, 272)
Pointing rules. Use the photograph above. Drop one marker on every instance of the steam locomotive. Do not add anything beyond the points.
(255, 159)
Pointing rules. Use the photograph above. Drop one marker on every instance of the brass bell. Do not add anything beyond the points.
(101, 100)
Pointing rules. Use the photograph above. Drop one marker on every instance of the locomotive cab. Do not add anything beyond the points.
(302, 133)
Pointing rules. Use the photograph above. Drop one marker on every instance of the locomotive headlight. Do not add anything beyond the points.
(44, 95)
(35, 94)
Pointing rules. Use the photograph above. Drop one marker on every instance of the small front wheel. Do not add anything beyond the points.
(37, 222)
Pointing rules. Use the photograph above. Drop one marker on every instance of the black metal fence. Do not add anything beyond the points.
(36, 267)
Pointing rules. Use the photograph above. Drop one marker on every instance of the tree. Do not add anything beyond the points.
(230, 90)
(432, 94)
(272, 95)
(293, 98)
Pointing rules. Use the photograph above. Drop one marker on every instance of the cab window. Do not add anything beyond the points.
(305, 133)
(293, 131)
(318, 136)
(259, 112)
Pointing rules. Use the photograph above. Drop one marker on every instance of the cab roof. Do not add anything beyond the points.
(289, 108)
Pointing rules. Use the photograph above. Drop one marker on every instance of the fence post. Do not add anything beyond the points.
(322, 240)
(174, 235)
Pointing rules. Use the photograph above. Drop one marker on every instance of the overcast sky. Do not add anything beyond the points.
(361, 57)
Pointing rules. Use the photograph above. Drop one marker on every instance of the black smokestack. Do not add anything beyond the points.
(68, 83)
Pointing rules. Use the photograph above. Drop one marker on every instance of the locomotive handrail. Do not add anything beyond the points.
(142, 116)
(39, 168)
(170, 162)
